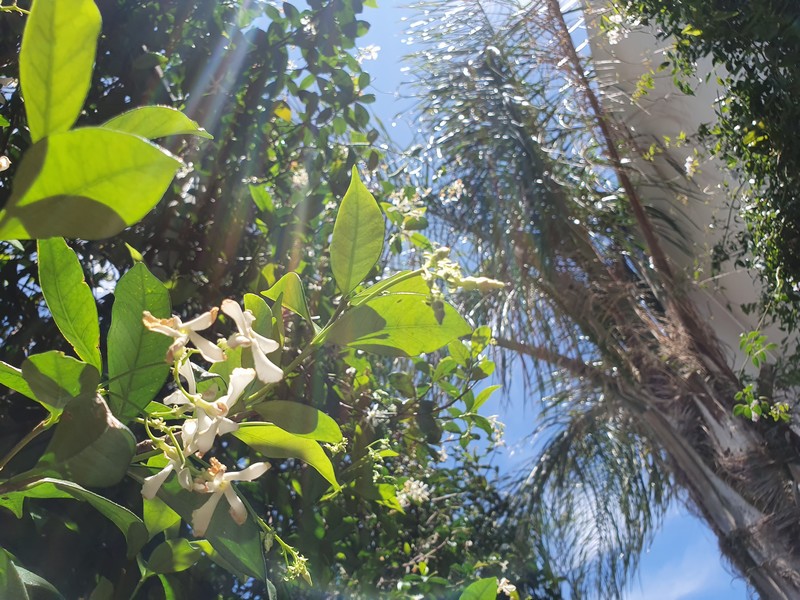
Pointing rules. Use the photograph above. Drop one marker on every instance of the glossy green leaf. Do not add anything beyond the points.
(90, 446)
(55, 65)
(104, 590)
(38, 588)
(11, 585)
(128, 523)
(12, 378)
(357, 240)
(69, 299)
(273, 442)
(398, 325)
(483, 589)
(156, 121)
(300, 420)
(263, 323)
(293, 296)
(173, 556)
(56, 379)
(403, 281)
(238, 546)
(158, 516)
(483, 396)
(136, 364)
(87, 183)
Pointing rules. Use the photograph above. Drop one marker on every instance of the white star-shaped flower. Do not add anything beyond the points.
(259, 345)
(185, 333)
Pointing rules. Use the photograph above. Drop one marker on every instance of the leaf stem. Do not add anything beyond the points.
(40, 428)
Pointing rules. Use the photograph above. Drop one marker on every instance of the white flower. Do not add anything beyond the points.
(367, 53)
(184, 333)
(210, 417)
(690, 166)
(176, 463)
(258, 344)
(504, 586)
(5, 163)
(413, 492)
(218, 483)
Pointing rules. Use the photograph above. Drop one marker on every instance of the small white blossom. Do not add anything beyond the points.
(504, 586)
(690, 166)
(185, 333)
(176, 463)
(217, 482)
(367, 53)
(5, 163)
(258, 344)
(413, 492)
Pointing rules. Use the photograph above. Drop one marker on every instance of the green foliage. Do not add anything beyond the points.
(154, 122)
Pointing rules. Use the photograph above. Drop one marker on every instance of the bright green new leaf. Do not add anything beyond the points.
(86, 183)
(238, 546)
(156, 121)
(273, 442)
(398, 325)
(483, 589)
(484, 396)
(404, 281)
(11, 585)
(12, 378)
(90, 446)
(128, 523)
(56, 379)
(300, 420)
(55, 62)
(69, 299)
(136, 364)
(263, 323)
(173, 556)
(357, 240)
(294, 298)
(158, 516)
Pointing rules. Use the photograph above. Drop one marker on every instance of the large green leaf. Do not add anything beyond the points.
(263, 323)
(89, 183)
(404, 281)
(56, 379)
(290, 289)
(55, 63)
(12, 378)
(398, 325)
(89, 446)
(173, 556)
(38, 587)
(158, 516)
(238, 546)
(357, 239)
(69, 299)
(483, 589)
(11, 585)
(273, 442)
(136, 364)
(128, 523)
(300, 420)
(154, 122)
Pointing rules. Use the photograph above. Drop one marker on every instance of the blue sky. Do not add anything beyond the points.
(684, 562)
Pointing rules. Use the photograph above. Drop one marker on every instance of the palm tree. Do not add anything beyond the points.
(639, 390)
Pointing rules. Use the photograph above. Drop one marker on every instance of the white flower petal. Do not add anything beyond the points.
(204, 321)
(238, 511)
(266, 344)
(153, 483)
(234, 311)
(210, 351)
(252, 472)
(267, 371)
(202, 516)
(185, 479)
(240, 379)
(187, 372)
(226, 426)
(176, 397)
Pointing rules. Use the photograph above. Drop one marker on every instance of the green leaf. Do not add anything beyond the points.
(128, 523)
(398, 325)
(89, 445)
(173, 556)
(38, 587)
(294, 298)
(238, 546)
(263, 323)
(136, 364)
(158, 516)
(300, 420)
(69, 299)
(273, 442)
(484, 396)
(483, 589)
(357, 239)
(89, 183)
(55, 64)
(12, 378)
(11, 585)
(399, 282)
(155, 122)
(56, 379)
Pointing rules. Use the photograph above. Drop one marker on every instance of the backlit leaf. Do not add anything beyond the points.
(173, 556)
(56, 379)
(154, 122)
(483, 589)
(294, 298)
(300, 420)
